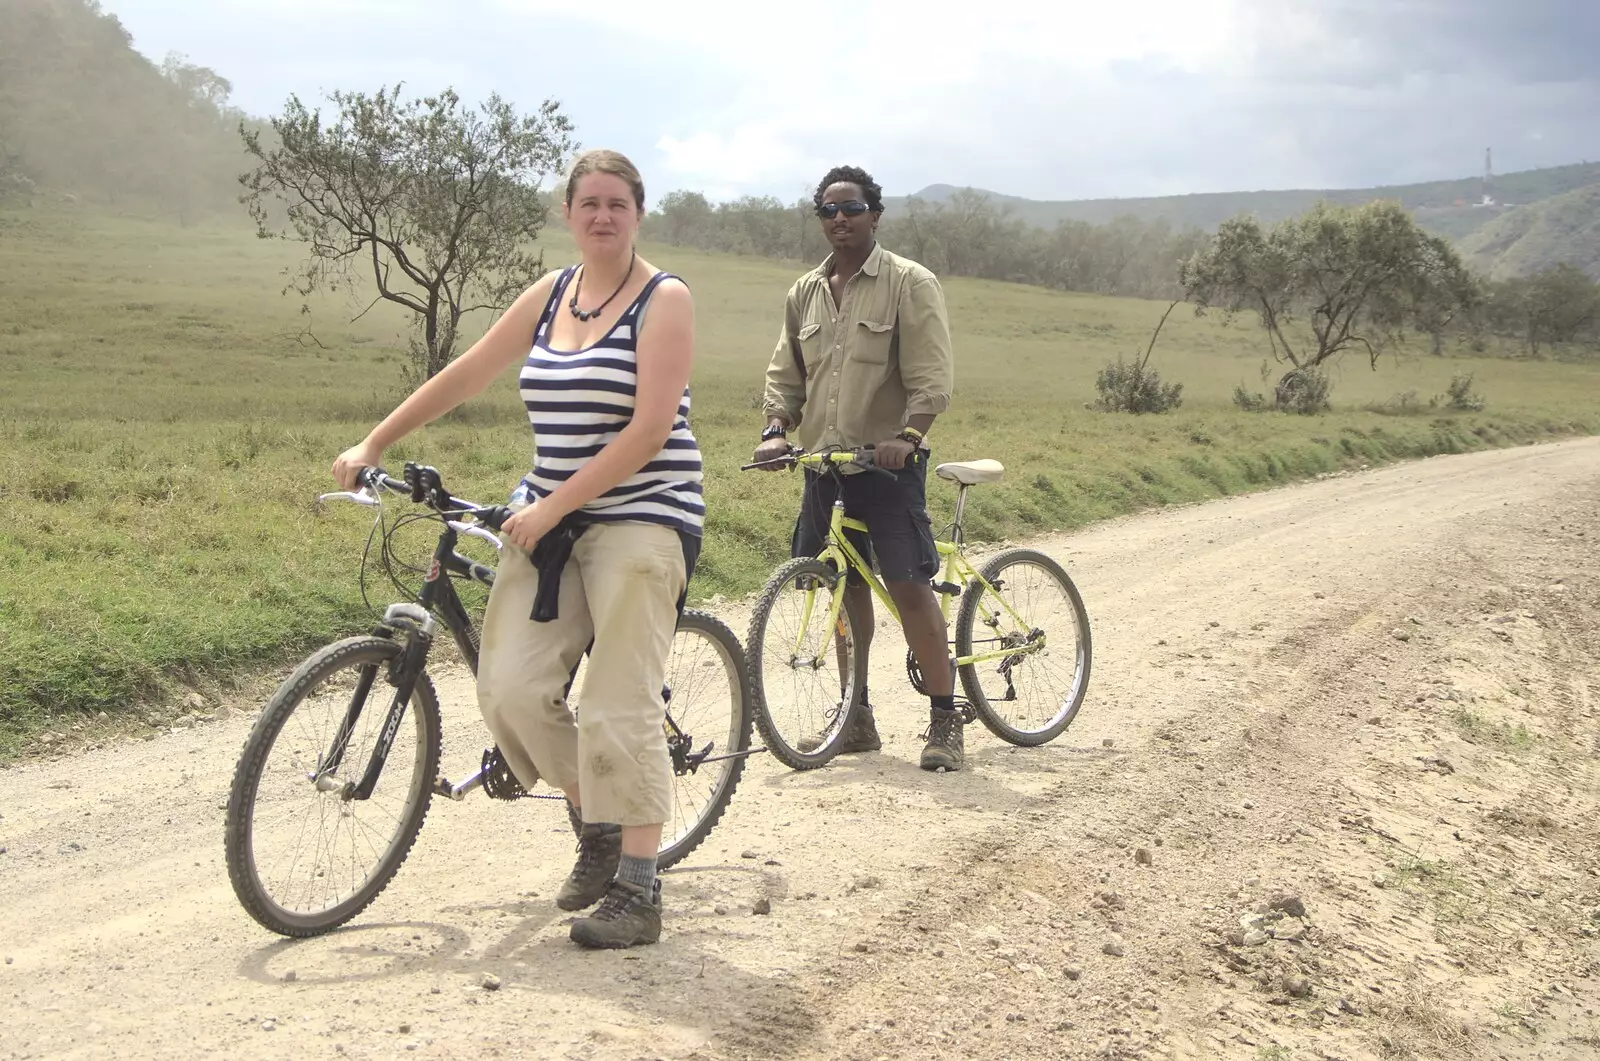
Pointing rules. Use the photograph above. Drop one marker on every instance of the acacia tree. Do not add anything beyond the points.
(1332, 280)
(1558, 305)
(435, 204)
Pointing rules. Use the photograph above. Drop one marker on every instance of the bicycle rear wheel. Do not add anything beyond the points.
(708, 730)
(1029, 605)
(707, 725)
(805, 680)
(302, 856)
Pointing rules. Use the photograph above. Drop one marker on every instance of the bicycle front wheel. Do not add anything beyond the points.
(305, 856)
(708, 729)
(1026, 617)
(805, 675)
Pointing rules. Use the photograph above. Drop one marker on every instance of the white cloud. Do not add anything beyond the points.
(789, 92)
(1081, 98)
(725, 165)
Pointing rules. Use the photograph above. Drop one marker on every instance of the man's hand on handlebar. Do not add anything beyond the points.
(771, 450)
(893, 454)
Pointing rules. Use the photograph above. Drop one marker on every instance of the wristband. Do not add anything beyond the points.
(771, 432)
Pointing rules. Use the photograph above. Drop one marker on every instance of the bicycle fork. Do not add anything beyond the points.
(419, 627)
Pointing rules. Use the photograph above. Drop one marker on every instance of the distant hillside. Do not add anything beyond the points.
(81, 111)
(1442, 206)
(1529, 239)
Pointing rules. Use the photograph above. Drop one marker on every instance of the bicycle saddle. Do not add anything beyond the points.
(968, 473)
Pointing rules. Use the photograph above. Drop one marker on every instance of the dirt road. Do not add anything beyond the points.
(1372, 698)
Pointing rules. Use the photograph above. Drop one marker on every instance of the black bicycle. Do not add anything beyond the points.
(334, 781)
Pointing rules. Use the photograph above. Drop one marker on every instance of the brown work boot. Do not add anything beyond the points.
(630, 915)
(862, 736)
(946, 749)
(599, 851)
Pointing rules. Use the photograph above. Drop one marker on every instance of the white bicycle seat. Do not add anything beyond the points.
(969, 473)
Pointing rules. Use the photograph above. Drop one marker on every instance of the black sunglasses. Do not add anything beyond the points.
(852, 208)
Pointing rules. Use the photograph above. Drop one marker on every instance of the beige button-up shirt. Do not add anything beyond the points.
(879, 357)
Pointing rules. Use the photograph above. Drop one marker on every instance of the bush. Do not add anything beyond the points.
(1462, 396)
(1304, 391)
(1403, 404)
(1249, 401)
(1129, 387)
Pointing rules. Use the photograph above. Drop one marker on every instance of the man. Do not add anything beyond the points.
(864, 359)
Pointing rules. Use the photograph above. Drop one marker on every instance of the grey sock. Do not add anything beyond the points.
(637, 871)
(575, 816)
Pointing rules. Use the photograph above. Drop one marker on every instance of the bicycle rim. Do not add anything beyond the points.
(708, 719)
(302, 858)
(1031, 695)
(805, 679)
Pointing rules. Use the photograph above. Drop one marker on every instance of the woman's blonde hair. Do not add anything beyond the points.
(603, 160)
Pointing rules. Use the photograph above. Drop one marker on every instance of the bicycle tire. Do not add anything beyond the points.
(240, 827)
(966, 617)
(786, 752)
(732, 654)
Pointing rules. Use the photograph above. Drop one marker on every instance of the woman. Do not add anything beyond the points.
(611, 516)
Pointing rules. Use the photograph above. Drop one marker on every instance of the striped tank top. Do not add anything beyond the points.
(579, 400)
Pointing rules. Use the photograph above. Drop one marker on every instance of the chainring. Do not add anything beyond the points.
(498, 780)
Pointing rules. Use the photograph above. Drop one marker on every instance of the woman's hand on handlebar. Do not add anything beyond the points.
(347, 465)
(525, 527)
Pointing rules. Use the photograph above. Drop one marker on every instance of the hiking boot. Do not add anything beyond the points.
(862, 736)
(946, 749)
(629, 916)
(599, 851)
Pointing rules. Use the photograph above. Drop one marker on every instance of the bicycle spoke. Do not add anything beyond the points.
(1030, 606)
(310, 849)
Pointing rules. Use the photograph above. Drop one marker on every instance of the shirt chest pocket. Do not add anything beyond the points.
(873, 342)
(810, 340)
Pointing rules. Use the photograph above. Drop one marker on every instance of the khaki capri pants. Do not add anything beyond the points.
(620, 588)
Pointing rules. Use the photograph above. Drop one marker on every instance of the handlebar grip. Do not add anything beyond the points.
(377, 479)
(493, 517)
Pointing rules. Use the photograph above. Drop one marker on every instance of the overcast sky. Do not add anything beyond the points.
(1067, 100)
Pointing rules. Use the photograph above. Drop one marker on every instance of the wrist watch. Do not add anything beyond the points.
(772, 431)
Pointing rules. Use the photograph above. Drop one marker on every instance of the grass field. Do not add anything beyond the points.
(163, 433)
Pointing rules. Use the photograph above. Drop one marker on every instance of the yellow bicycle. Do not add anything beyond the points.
(1021, 644)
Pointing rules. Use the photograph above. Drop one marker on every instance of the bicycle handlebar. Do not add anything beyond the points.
(422, 485)
(863, 457)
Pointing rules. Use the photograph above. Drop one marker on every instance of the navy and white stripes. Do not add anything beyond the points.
(578, 401)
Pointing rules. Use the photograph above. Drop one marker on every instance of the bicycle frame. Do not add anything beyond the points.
(957, 572)
(416, 621)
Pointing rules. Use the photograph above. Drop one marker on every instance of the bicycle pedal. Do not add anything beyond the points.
(949, 589)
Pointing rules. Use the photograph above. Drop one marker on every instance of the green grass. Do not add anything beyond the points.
(1479, 730)
(163, 433)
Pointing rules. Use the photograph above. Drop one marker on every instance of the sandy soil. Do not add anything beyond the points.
(1351, 723)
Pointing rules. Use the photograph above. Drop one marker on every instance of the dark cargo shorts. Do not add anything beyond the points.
(899, 538)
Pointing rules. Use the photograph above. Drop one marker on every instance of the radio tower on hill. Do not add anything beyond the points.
(1488, 175)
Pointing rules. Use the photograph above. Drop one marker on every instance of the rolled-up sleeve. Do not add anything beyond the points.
(785, 391)
(927, 364)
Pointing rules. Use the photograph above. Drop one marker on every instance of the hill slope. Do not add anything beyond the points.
(1561, 229)
(1440, 205)
(81, 111)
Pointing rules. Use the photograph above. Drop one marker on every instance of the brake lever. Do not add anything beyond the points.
(360, 497)
(472, 530)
